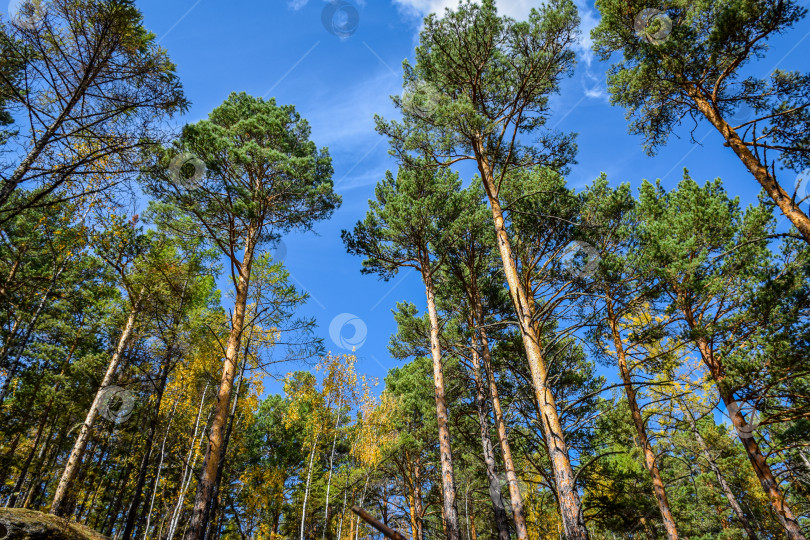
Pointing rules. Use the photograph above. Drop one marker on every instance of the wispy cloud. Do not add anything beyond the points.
(344, 122)
(518, 9)
(588, 21)
(594, 86)
(295, 5)
(346, 118)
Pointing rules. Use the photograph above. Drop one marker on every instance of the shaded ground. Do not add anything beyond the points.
(20, 524)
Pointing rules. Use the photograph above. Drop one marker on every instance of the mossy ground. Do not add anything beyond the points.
(21, 524)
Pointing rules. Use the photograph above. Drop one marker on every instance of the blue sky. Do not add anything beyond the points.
(282, 49)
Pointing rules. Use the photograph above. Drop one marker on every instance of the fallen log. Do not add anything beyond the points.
(382, 527)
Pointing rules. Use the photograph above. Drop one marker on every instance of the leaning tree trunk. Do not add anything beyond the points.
(650, 460)
(759, 171)
(745, 433)
(732, 500)
(205, 488)
(59, 506)
(445, 452)
(570, 507)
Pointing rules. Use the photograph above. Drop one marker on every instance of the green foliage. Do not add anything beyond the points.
(705, 56)
(480, 82)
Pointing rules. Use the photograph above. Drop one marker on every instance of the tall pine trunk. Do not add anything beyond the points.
(650, 461)
(515, 496)
(214, 506)
(570, 506)
(205, 488)
(744, 431)
(729, 494)
(445, 453)
(60, 500)
(498, 506)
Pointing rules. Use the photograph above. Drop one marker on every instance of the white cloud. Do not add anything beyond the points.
(519, 9)
(594, 85)
(295, 5)
(588, 21)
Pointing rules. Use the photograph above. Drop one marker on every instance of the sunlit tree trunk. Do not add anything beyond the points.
(445, 452)
(729, 494)
(745, 433)
(759, 171)
(650, 460)
(214, 506)
(205, 488)
(59, 504)
(568, 497)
